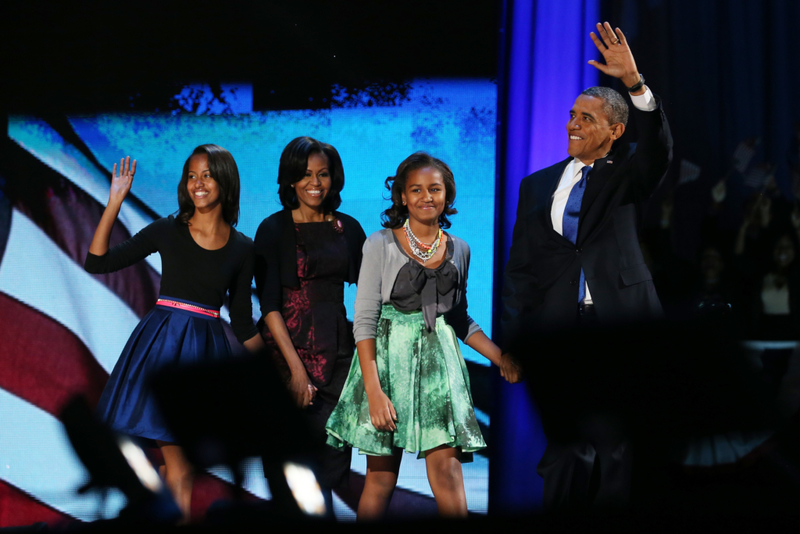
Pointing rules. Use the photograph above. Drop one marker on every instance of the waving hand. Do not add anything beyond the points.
(619, 62)
(120, 185)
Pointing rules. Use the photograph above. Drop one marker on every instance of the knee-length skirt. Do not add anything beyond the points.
(166, 335)
(424, 375)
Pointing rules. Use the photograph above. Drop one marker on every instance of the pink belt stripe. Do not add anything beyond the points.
(187, 307)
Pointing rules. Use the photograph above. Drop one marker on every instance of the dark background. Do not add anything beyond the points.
(114, 56)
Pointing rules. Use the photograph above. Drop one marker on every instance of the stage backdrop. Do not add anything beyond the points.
(533, 113)
(64, 329)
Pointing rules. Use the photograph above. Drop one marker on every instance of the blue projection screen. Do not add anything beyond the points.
(453, 120)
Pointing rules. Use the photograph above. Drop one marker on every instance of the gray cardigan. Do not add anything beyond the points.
(382, 260)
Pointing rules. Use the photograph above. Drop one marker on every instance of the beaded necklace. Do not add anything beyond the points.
(421, 250)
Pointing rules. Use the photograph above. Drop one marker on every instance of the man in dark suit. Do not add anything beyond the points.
(575, 259)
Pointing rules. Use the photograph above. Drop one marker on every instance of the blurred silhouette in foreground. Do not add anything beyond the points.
(221, 413)
(225, 412)
(663, 394)
(114, 461)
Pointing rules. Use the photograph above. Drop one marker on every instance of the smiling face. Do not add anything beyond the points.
(315, 185)
(425, 195)
(590, 134)
(201, 186)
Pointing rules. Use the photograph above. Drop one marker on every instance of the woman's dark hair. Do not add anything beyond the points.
(396, 215)
(224, 171)
(293, 166)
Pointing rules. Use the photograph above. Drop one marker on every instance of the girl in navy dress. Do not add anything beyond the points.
(203, 259)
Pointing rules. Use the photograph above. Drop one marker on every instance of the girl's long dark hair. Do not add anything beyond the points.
(224, 171)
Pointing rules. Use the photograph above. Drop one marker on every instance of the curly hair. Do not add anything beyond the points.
(396, 215)
(292, 169)
(224, 171)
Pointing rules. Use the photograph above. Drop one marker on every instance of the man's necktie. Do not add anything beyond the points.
(570, 220)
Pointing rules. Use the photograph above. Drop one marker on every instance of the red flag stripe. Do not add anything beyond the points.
(44, 362)
(20, 509)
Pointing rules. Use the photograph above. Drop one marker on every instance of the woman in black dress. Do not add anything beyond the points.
(203, 259)
(304, 255)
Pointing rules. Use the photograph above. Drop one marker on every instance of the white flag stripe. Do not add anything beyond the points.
(254, 481)
(96, 315)
(38, 138)
(37, 458)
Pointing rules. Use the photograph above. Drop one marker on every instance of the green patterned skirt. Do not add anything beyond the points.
(425, 377)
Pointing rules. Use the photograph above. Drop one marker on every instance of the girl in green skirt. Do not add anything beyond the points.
(408, 387)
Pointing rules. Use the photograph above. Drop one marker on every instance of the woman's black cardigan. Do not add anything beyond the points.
(276, 256)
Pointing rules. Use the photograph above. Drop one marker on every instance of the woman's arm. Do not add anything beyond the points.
(99, 258)
(241, 305)
(367, 312)
(270, 295)
(300, 386)
(267, 262)
(120, 186)
(486, 348)
(255, 344)
(369, 297)
(473, 336)
(381, 410)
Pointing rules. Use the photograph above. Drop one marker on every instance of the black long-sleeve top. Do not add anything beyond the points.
(189, 271)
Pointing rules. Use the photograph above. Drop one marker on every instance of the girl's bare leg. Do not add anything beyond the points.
(179, 477)
(379, 486)
(447, 481)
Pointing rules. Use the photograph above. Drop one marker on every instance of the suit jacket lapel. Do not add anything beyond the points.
(549, 186)
(597, 179)
(602, 171)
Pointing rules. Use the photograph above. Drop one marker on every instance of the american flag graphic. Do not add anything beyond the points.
(61, 326)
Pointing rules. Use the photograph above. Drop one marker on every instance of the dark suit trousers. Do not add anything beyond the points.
(593, 473)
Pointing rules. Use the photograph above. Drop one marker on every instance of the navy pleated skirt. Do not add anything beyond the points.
(166, 335)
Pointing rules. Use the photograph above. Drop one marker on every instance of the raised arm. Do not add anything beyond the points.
(120, 185)
(100, 259)
(654, 150)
